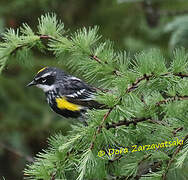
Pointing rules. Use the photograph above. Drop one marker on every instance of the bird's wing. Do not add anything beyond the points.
(78, 92)
(77, 89)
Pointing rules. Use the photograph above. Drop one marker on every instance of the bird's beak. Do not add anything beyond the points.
(32, 83)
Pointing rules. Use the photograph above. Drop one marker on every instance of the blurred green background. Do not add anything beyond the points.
(26, 121)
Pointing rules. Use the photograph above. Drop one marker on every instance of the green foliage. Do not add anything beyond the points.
(147, 100)
(182, 157)
(49, 24)
(151, 62)
(14, 41)
(179, 29)
(179, 63)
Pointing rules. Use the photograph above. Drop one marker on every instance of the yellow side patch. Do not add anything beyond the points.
(62, 103)
(41, 70)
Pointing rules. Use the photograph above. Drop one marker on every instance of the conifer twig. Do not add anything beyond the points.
(23, 45)
(174, 98)
(48, 37)
(138, 80)
(180, 75)
(134, 85)
(100, 127)
(116, 72)
(177, 130)
(180, 146)
(136, 120)
(96, 59)
(147, 77)
(126, 123)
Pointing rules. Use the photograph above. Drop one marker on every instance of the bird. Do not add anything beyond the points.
(67, 95)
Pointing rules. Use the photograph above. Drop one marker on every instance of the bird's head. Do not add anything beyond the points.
(46, 78)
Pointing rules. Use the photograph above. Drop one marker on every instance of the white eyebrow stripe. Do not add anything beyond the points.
(46, 74)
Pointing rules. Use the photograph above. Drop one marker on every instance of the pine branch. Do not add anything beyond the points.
(177, 130)
(181, 75)
(48, 38)
(26, 44)
(100, 127)
(116, 72)
(137, 120)
(158, 122)
(106, 115)
(96, 59)
(126, 123)
(147, 77)
(110, 109)
(179, 148)
(138, 80)
(175, 98)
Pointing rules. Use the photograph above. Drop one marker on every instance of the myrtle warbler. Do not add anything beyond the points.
(67, 95)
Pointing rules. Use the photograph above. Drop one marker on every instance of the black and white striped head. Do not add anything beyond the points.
(47, 78)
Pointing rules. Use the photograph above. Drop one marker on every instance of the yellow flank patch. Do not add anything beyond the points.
(62, 103)
(41, 70)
